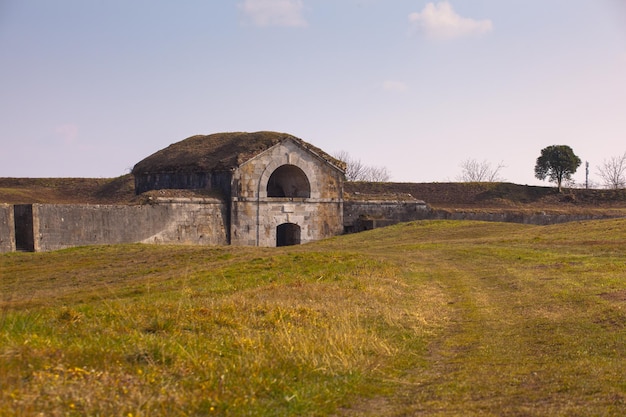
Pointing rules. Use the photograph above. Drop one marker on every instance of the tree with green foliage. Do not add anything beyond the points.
(558, 163)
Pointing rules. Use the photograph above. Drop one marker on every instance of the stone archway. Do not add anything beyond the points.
(287, 234)
(288, 181)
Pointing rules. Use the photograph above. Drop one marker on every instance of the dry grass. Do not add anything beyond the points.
(497, 197)
(118, 190)
(218, 151)
(148, 330)
(427, 318)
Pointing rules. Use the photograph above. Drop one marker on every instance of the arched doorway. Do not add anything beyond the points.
(288, 181)
(287, 234)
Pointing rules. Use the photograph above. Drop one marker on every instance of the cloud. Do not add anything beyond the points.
(440, 21)
(394, 86)
(264, 13)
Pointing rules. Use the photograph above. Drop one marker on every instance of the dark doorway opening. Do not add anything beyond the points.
(287, 234)
(288, 181)
(23, 219)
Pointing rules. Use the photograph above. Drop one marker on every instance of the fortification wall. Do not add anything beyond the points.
(173, 222)
(255, 222)
(206, 221)
(540, 219)
(7, 228)
(255, 217)
(366, 215)
(216, 181)
(252, 176)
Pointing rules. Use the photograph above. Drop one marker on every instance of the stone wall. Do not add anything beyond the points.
(205, 221)
(255, 217)
(172, 222)
(366, 215)
(539, 218)
(217, 181)
(7, 228)
(255, 223)
(252, 177)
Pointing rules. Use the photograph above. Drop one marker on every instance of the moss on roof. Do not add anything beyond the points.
(218, 152)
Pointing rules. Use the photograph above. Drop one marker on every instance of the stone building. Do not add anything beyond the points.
(278, 189)
(245, 189)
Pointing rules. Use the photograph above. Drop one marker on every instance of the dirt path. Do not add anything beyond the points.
(508, 348)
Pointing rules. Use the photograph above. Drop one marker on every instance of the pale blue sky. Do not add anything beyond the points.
(90, 87)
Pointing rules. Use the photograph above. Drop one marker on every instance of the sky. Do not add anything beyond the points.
(88, 88)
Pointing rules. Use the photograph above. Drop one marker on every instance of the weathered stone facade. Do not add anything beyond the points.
(286, 185)
(259, 189)
(58, 226)
(7, 228)
(270, 189)
(278, 189)
(360, 215)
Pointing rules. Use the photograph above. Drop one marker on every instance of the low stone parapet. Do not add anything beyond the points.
(360, 215)
(59, 226)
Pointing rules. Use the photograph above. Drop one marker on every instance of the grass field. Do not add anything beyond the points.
(428, 318)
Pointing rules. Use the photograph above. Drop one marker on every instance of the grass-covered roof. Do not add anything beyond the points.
(219, 151)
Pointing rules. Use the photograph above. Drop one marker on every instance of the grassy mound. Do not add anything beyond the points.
(67, 190)
(472, 196)
(434, 318)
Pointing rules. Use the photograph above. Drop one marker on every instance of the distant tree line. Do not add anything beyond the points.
(555, 163)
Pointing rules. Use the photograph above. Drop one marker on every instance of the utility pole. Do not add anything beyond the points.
(587, 175)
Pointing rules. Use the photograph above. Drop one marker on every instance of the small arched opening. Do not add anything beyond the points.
(287, 234)
(288, 181)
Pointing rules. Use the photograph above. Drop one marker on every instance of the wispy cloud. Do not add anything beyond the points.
(264, 13)
(394, 86)
(440, 21)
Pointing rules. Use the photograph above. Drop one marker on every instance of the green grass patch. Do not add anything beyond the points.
(435, 317)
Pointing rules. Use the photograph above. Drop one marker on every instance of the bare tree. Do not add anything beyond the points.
(376, 174)
(613, 172)
(354, 167)
(474, 171)
(358, 171)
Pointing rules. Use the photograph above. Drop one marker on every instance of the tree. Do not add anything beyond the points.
(376, 174)
(613, 172)
(474, 171)
(357, 171)
(558, 163)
